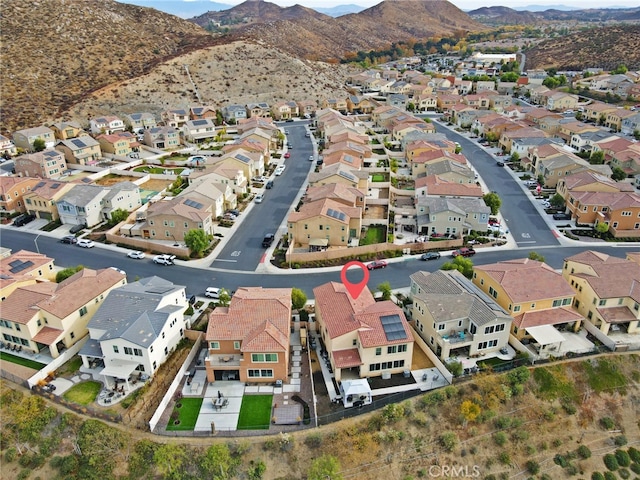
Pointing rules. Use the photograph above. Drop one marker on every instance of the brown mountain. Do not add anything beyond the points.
(604, 47)
(55, 54)
(504, 16)
(309, 34)
(508, 16)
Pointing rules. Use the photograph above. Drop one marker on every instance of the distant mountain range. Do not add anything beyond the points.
(189, 9)
(511, 16)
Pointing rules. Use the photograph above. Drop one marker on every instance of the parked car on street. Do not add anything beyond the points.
(500, 164)
(376, 264)
(269, 185)
(268, 240)
(70, 239)
(164, 259)
(279, 170)
(136, 254)
(84, 243)
(464, 251)
(562, 216)
(287, 155)
(260, 179)
(23, 219)
(213, 292)
(259, 198)
(430, 256)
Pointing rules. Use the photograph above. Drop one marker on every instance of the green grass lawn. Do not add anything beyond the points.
(158, 170)
(188, 414)
(375, 234)
(83, 393)
(255, 412)
(378, 177)
(25, 362)
(72, 366)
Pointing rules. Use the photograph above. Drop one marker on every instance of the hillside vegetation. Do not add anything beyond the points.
(547, 423)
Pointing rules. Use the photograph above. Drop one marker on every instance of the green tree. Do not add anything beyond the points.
(102, 446)
(385, 289)
(515, 157)
(224, 298)
(601, 228)
(39, 145)
(218, 463)
(462, 264)
(597, 158)
(62, 275)
(197, 241)
(169, 459)
(492, 200)
(618, 174)
(557, 201)
(620, 69)
(118, 215)
(448, 441)
(298, 299)
(256, 470)
(536, 256)
(325, 467)
(411, 107)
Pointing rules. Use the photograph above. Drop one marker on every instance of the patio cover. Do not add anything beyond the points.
(355, 387)
(318, 242)
(545, 334)
(119, 368)
(48, 335)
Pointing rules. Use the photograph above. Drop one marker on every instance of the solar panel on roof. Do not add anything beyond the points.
(347, 175)
(393, 327)
(55, 185)
(19, 265)
(78, 143)
(51, 153)
(160, 290)
(39, 184)
(193, 203)
(198, 123)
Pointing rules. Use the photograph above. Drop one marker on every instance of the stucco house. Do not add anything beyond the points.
(106, 125)
(199, 130)
(450, 215)
(12, 190)
(83, 150)
(24, 138)
(48, 163)
(140, 121)
(249, 340)
(135, 329)
(24, 268)
(325, 222)
(175, 117)
(41, 201)
(454, 317)
(67, 130)
(363, 338)
(162, 138)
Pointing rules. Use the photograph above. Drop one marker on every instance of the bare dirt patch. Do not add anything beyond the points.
(109, 180)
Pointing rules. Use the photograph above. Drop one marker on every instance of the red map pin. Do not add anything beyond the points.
(354, 289)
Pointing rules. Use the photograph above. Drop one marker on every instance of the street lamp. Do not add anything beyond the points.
(35, 240)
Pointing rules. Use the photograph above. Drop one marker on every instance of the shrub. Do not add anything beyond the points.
(634, 454)
(23, 475)
(313, 440)
(624, 473)
(620, 440)
(420, 419)
(561, 460)
(635, 468)
(610, 462)
(607, 423)
(533, 467)
(448, 441)
(597, 476)
(623, 458)
(609, 476)
(583, 451)
(504, 458)
(502, 422)
(572, 469)
(500, 438)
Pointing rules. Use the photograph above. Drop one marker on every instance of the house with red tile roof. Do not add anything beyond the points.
(597, 111)
(323, 223)
(55, 315)
(437, 186)
(620, 211)
(420, 163)
(349, 196)
(537, 297)
(12, 190)
(249, 339)
(607, 290)
(363, 338)
(24, 268)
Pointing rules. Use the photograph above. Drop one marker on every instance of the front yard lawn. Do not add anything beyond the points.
(187, 414)
(25, 362)
(255, 412)
(83, 393)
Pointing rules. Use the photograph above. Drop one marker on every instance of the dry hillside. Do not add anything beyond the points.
(53, 55)
(604, 47)
(238, 72)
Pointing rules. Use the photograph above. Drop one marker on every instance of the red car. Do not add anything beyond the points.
(376, 264)
(464, 251)
(287, 155)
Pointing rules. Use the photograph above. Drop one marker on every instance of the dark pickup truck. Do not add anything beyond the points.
(464, 251)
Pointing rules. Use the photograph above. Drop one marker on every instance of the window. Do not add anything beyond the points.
(379, 349)
(214, 345)
(83, 311)
(473, 328)
(128, 351)
(4, 323)
(557, 303)
(441, 326)
(137, 352)
(602, 302)
(72, 335)
(166, 350)
(516, 308)
(489, 329)
(264, 357)
(155, 365)
(493, 292)
(590, 315)
(260, 373)
(392, 349)
(115, 349)
(236, 345)
(354, 342)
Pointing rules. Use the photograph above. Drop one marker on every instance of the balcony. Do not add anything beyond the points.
(223, 360)
(458, 337)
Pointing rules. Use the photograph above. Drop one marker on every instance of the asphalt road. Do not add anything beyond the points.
(198, 279)
(244, 252)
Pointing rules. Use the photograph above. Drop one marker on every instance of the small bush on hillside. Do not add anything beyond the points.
(611, 462)
(634, 454)
(620, 440)
(623, 458)
(607, 423)
(609, 476)
(597, 476)
(583, 451)
(533, 467)
(500, 438)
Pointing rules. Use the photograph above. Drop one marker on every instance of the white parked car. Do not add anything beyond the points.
(84, 243)
(279, 170)
(118, 270)
(259, 198)
(546, 204)
(164, 259)
(213, 292)
(136, 254)
(531, 183)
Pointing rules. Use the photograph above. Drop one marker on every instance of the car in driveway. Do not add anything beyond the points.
(84, 243)
(136, 254)
(119, 270)
(259, 198)
(70, 239)
(233, 211)
(268, 240)
(562, 216)
(76, 228)
(23, 219)
(376, 264)
(530, 183)
(430, 256)
(260, 179)
(164, 259)
(464, 252)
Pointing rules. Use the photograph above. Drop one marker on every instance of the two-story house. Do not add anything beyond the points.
(200, 130)
(82, 205)
(7, 147)
(175, 117)
(450, 215)
(12, 190)
(606, 290)
(42, 200)
(455, 318)
(67, 130)
(83, 150)
(48, 163)
(536, 296)
(114, 144)
(172, 219)
(106, 125)
(135, 329)
(140, 121)
(162, 138)
(324, 222)
(55, 315)
(362, 337)
(24, 268)
(249, 340)
(24, 138)
(234, 113)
